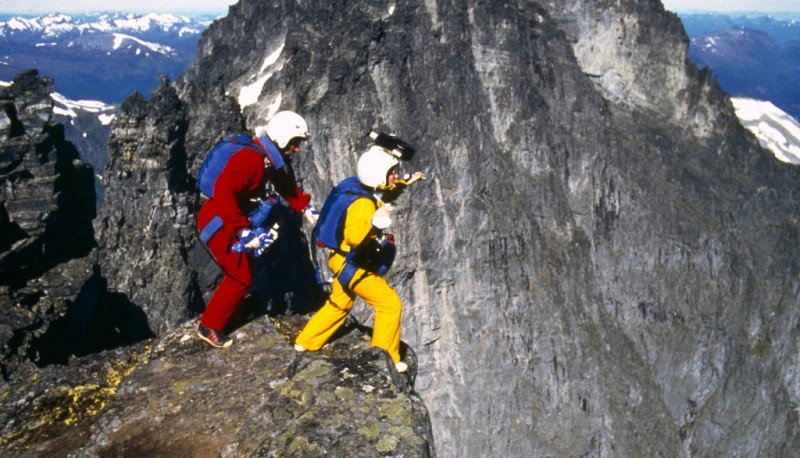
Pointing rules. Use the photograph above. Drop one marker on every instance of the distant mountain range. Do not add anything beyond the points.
(751, 56)
(97, 60)
(100, 56)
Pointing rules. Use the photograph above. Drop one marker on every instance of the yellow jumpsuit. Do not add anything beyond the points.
(369, 286)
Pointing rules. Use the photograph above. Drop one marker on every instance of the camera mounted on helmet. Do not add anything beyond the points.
(378, 166)
(394, 145)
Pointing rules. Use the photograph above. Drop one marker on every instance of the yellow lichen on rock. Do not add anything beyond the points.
(72, 404)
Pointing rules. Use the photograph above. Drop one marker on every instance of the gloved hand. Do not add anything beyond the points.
(393, 192)
(255, 241)
(311, 214)
(261, 213)
(300, 201)
(247, 237)
(266, 240)
(382, 218)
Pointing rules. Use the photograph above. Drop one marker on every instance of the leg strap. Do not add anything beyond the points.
(348, 271)
(210, 229)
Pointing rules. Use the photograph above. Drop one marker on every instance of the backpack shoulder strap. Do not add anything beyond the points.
(219, 155)
(271, 152)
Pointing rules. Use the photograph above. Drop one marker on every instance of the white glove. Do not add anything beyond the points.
(382, 218)
(256, 241)
(266, 240)
(253, 244)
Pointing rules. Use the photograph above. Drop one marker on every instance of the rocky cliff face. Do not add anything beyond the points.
(602, 262)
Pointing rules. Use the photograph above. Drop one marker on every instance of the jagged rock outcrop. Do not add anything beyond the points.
(44, 195)
(46, 208)
(602, 253)
(146, 223)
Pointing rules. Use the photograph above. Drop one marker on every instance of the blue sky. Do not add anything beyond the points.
(133, 6)
(221, 6)
(766, 6)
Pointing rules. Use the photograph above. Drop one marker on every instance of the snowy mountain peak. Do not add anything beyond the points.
(56, 25)
(120, 39)
(20, 24)
(71, 108)
(775, 130)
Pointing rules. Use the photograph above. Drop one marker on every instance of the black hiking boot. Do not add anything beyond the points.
(214, 338)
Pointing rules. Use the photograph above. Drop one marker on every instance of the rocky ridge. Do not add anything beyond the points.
(597, 250)
(174, 396)
(47, 204)
(601, 248)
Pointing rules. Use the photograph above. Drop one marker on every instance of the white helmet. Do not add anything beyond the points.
(285, 126)
(374, 166)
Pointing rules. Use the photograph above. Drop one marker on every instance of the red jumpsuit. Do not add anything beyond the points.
(243, 178)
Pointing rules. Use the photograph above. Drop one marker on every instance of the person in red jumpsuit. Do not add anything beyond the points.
(242, 179)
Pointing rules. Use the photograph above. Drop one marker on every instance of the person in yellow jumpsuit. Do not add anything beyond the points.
(375, 172)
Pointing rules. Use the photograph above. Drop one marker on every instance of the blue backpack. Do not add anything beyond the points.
(218, 157)
(373, 254)
(329, 231)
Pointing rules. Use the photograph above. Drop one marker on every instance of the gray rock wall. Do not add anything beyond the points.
(602, 262)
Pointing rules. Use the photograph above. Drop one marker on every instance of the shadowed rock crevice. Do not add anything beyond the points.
(15, 128)
(97, 320)
(285, 277)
